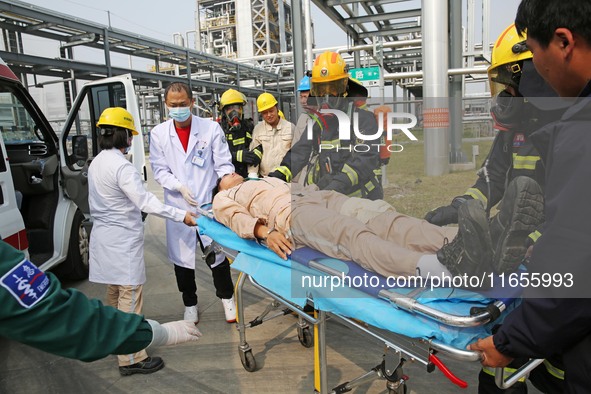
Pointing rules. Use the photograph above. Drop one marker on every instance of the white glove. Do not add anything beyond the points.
(188, 195)
(173, 333)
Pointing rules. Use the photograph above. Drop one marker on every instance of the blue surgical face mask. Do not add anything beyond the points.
(180, 114)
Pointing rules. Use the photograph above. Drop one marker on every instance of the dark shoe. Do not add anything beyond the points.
(470, 252)
(520, 212)
(149, 365)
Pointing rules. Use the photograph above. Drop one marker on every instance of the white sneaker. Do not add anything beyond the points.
(192, 314)
(229, 309)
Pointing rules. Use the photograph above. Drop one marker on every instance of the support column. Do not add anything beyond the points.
(455, 85)
(435, 87)
(107, 52)
(197, 27)
(309, 36)
(298, 48)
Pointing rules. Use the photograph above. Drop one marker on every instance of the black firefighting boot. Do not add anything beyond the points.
(470, 252)
(521, 211)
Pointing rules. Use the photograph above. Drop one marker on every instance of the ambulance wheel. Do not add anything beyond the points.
(247, 360)
(75, 267)
(305, 336)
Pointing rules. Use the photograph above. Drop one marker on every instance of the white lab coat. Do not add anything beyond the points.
(116, 197)
(207, 158)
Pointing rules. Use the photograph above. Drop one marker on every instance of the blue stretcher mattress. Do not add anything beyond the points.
(283, 277)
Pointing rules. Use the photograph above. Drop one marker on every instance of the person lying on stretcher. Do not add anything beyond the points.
(370, 233)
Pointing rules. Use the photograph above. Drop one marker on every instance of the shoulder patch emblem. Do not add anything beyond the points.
(26, 283)
(518, 140)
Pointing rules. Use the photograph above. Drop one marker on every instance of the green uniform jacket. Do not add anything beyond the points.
(36, 311)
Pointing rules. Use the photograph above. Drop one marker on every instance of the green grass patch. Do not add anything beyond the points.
(411, 192)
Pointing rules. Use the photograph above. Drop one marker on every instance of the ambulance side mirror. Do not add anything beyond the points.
(80, 148)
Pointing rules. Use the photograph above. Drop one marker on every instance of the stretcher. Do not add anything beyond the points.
(413, 324)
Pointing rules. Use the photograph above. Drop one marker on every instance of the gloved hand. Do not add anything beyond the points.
(447, 214)
(258, 150)
(329, 182)
(323, 182)
(173, 333)
(278, 174)
(337, 186)
(188, 195)
(249, 157)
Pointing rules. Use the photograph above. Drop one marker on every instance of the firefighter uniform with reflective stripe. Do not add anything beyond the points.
(238, 142)
(347, 166)
(511, 155)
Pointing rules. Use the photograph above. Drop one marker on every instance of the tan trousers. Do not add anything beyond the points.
(127, 299)
(373, 234)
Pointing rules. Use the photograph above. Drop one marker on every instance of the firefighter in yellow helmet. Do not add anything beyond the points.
(274, 133)
(512, 168)
(337, 159)
(238, 132)
(512, 76)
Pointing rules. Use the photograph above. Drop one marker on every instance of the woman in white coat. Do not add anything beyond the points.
(188, 154)
(116, 198)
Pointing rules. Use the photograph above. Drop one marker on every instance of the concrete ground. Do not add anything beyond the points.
(212, 365)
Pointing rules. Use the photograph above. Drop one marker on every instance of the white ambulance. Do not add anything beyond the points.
(43, 177)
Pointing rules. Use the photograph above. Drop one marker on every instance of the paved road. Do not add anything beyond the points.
(212, 365)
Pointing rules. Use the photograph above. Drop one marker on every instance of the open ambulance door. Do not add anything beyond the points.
(79, 138)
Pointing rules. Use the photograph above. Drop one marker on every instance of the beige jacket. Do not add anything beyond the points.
(276, 142)
(267, 201)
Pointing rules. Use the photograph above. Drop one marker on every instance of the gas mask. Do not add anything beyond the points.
(234, 117)
(331, 102)
(509, 111)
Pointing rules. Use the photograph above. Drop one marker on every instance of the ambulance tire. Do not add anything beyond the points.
(75, 267)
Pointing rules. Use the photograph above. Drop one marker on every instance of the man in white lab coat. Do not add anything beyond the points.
(188, 154)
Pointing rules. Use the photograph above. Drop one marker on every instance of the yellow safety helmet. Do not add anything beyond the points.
(280, 113)
(507, 56)
(266, 101)
(329, 75)
(231, 96)
(118, 117)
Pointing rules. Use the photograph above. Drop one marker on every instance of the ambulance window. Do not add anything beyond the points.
(17, 126)
(88, 112)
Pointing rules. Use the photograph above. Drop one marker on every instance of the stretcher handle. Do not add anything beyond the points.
(205, 210)
(448, 374)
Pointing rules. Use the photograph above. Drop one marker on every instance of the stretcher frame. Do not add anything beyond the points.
(390, 368)
(395, 354)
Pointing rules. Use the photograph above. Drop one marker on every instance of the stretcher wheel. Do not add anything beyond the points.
(401, 390)
(305, 336)
(247, 360)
